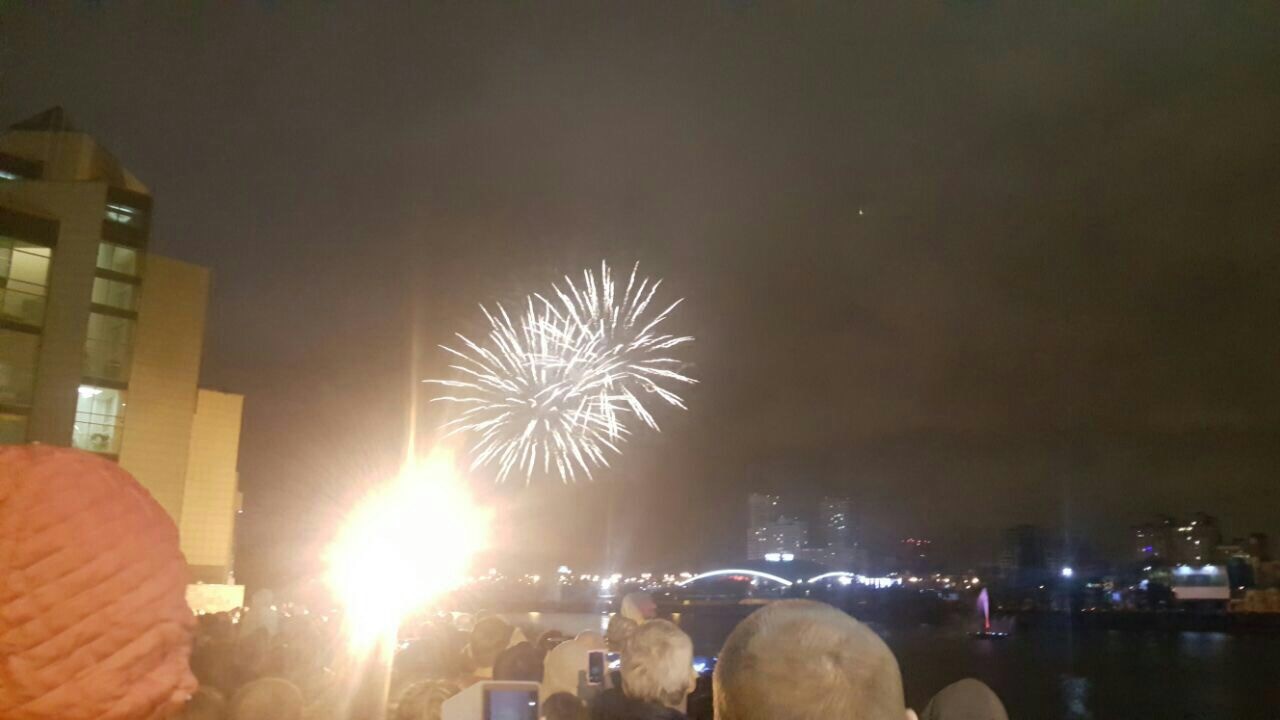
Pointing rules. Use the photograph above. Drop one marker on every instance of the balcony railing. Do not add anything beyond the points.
(97, 432)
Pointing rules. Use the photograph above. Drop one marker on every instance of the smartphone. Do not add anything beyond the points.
(595, 667)
(615, 661)
(704, 666)
(510, 704)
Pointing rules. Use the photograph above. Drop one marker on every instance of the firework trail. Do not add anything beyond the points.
(556, 386)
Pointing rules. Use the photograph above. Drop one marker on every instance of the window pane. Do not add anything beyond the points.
(24, 277)
(118, 258)
(124, 214)
(114, 293)
(17, 366)
(108, 347)
(13, 429)
(99, 419)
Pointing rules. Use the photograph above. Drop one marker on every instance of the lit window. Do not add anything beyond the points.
(99, 419)
(123, 214)
(114, 293)
(17, 366)
(24, 278)
(118, 258)
(108, 347)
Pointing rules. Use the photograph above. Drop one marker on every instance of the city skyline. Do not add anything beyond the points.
(1021, 269)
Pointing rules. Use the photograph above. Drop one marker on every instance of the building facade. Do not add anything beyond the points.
(101, 341)
(773, 531)
(1172, 541)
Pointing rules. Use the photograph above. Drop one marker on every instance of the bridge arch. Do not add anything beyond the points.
(738, 571)
(833, 574)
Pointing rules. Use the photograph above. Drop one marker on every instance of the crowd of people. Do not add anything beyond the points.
(791, 660)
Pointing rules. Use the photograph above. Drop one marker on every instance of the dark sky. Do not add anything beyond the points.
(970, 263)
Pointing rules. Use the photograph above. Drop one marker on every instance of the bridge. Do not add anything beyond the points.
(841, 576)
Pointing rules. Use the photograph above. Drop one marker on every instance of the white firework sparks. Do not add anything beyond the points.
(555, 387)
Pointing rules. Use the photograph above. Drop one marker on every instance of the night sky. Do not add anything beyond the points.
(971, 264)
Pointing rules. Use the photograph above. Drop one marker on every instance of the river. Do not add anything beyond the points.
(1052, 673)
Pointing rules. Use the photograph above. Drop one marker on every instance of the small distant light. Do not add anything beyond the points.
(563, 570)
(1067, 572)
(976, 581)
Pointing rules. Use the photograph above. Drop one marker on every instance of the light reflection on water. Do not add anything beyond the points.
(1050, 674)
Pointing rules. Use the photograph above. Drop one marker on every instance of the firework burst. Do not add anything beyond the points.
(558, 386)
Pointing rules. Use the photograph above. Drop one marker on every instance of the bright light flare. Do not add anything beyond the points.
(406, 544)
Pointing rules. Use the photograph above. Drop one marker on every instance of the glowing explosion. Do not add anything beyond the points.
(556, 386)
(403, 546)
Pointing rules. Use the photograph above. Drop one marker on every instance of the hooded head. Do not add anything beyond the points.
(803, 660)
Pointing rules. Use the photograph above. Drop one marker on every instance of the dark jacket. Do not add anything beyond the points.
(612, 704)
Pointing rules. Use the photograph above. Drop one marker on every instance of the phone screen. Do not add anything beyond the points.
(510, 705)
(704, 665)
(595, 667)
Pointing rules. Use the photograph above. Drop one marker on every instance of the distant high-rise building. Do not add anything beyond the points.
(1154, 541)
(788, 535)
(1024, 554)
(836, 522)
(1171, 541)
(1197, 539)
(762, 511)
(101, 341)
(916, 554)
(1259, 546)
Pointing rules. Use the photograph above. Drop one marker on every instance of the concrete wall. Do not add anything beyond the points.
(165, 374)
(209, 503)
(69, 156)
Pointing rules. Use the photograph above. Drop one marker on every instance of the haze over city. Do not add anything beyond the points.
(967, 265)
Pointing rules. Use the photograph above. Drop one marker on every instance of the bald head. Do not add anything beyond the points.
(803, 660)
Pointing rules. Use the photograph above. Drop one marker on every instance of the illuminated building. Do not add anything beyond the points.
(771, 532)
(837, 525)
(101, 341)
(762, 511)
(1154, 541)
(1171, 541)
(915, 554)
(1198, 539)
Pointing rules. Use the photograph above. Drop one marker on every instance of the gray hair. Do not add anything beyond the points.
(267, 699)
(657, 664)
(804, 660)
